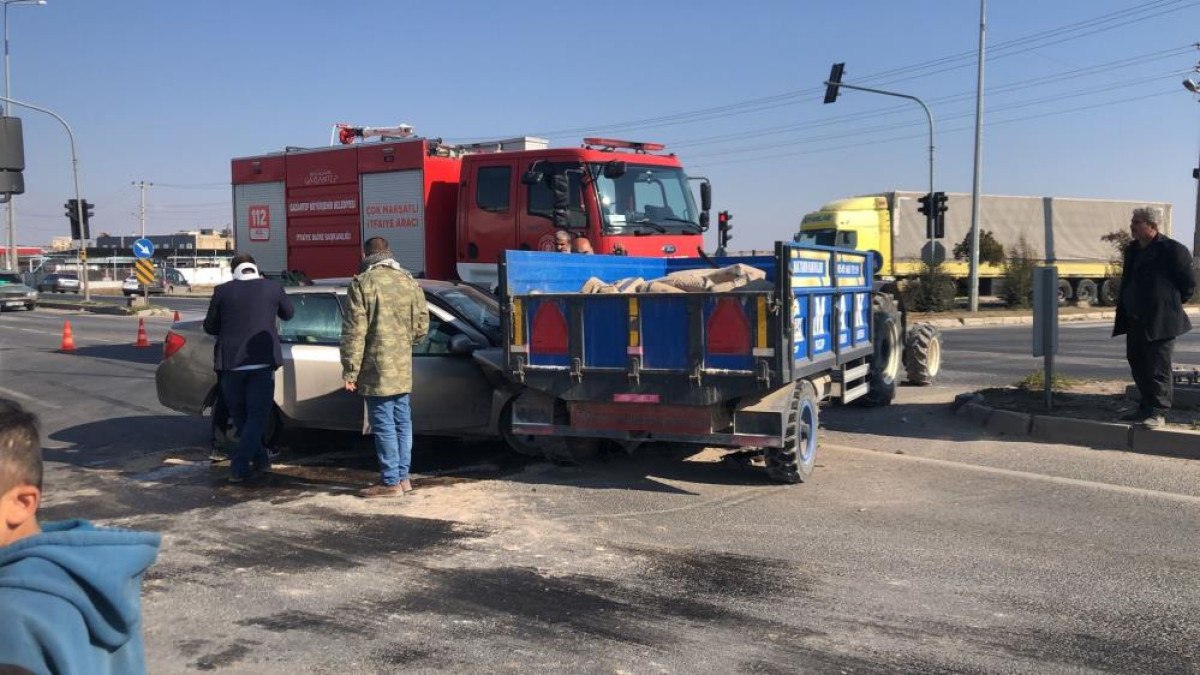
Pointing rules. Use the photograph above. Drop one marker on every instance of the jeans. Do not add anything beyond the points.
(249, 395)
(391, 422)
(1150, 363)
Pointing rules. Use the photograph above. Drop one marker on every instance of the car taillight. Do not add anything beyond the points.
(173, 343)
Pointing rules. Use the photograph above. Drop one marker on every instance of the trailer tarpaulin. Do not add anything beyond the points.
(1075, 225)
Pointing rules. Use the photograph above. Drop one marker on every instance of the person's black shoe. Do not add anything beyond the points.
(1135, 416)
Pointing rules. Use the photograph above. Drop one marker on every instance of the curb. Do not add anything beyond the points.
(102, 308)
(971, 321)
(1095, 434)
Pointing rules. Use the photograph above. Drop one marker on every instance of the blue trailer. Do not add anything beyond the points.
(743, 368)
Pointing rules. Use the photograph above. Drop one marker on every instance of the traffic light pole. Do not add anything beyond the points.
(87, 292)
(928, 116)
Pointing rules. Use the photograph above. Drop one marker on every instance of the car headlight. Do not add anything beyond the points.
(31, 294)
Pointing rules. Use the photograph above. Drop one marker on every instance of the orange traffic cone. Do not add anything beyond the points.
(68, 338)
(176, 318)
(142, 340)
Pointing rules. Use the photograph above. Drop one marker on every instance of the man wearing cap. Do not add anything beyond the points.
(242, 316)
(1156, 281)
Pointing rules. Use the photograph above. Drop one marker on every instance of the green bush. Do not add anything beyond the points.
(1017, 289)
(990, 250)
(932, 290)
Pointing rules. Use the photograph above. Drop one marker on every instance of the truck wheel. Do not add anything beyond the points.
(555, 449)
(923, 353)
(1064, 291)
(1085, 292)
(1109, 291)
(794, 462)
(885, 362)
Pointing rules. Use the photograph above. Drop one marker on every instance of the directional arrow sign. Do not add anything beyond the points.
(143, 248)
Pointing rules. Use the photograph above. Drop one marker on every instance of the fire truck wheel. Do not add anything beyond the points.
(885, 362)
(923, 353)
(793, 463)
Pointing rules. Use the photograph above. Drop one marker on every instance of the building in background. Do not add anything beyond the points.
(192, 242)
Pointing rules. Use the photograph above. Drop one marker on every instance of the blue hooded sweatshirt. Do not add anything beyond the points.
(70, 599)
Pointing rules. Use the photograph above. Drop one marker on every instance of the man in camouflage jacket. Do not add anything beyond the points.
(385, 316)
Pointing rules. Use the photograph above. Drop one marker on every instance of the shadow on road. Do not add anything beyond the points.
(144, 355)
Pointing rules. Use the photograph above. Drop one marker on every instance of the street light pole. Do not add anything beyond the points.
(11, 250)
(928, 116)
(975, 196)
(1193, 87)
(87, 295)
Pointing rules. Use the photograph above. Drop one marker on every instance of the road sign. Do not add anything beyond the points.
(143, 248)
(144, 271)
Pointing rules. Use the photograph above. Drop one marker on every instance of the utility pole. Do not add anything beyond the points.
(1193, 87)
(975, 196)
(13, 262)
(142, 185)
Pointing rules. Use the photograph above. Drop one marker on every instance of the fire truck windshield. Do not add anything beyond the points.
(646, 199)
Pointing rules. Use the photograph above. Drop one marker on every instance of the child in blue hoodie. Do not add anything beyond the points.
(70, 593)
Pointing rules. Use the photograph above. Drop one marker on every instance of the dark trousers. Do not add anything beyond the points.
(249, 395)
(1150, 361)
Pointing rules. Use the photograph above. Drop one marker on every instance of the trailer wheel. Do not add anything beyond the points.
(923, 353)
(1085, 292)
(1064, 291)
(885, 362)
(555, 449)
(1109, 290)
(794, 462)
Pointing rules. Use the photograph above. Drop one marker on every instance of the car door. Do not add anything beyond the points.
(309, 387)
(450, 394)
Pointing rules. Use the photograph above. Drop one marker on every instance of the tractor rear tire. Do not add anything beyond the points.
(794, 462)
(923, 354)
(885, 362)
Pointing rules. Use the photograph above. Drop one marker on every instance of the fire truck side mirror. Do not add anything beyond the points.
(705, 197)
(614, 169)
(532, 176)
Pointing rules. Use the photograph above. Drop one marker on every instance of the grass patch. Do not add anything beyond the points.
(1036, 381)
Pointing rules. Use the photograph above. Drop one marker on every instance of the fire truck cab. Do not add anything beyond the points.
(448, 211)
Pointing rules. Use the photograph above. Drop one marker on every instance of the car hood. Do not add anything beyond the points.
(15, 289)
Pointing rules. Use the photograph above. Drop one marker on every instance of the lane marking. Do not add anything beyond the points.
(1015, 473)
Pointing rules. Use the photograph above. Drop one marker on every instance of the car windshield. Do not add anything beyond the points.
(476, 307)
(646, 199)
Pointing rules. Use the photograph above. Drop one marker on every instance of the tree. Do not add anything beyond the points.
(1017, 290)
(932, 290)
(990, 250)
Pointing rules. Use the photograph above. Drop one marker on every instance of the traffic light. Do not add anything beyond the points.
(88, 212)
(939, 215)
(78, 230)
(834, 82)
(723, 228)
(924, 200)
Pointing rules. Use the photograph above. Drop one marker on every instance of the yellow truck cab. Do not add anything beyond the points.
(862, 223)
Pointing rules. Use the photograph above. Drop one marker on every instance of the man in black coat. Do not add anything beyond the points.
(1156, 281)
(242, 316)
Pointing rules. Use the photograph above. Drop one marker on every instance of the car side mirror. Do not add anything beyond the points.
(461, 344)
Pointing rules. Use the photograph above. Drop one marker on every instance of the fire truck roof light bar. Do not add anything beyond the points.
(613, 144)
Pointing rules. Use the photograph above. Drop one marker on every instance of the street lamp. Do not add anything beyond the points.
(1193, 87)
(11, 251)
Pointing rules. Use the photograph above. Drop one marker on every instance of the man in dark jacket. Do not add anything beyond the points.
(242, 315)
(70, 592)
(1156, 280)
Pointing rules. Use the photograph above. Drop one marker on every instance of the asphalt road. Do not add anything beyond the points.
(1001, 355)
(919, 546)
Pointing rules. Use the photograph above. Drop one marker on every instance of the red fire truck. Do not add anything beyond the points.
(449, 210)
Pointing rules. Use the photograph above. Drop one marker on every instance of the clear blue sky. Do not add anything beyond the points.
(1083, 98)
